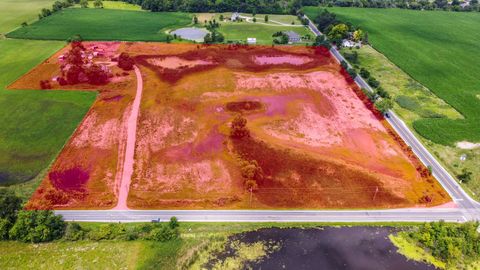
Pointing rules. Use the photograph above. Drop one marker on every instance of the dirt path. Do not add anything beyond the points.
(130, 146)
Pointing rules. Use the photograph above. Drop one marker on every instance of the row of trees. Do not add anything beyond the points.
(337, 30)
(246, 6)
(455, 5)
(44, 226)
(59, 5)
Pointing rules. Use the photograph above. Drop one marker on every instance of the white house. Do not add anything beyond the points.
(235, 16)
(251, 40)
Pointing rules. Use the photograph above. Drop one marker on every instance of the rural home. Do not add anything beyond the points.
(293, 37)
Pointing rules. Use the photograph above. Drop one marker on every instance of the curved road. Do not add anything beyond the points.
(468, 209)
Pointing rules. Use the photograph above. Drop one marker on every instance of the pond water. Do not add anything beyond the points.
(330, 248)
(191, 33)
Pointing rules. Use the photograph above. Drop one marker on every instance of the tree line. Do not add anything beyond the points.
(38, 226)
(455, 5)
(455, 244)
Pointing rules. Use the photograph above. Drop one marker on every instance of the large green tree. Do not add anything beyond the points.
(37, 226)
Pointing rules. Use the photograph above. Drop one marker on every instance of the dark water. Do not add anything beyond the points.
(356, 248)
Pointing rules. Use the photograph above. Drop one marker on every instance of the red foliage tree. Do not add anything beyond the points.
(125, 62)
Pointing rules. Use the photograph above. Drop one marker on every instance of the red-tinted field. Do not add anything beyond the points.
(313, 142)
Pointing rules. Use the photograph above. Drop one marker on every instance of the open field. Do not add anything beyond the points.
(104, 24)
(240, 31)
(119, 5)
(70, 255)
(35, 124)
(316, 142)
(437, 49)
(14, 12)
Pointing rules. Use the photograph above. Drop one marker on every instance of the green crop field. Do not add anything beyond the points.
(104, 24)
(34, 124)
(14, 12)
(438, 49)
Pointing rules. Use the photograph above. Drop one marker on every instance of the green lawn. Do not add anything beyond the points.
(438, 49)
(104, 24)
(263, 33)
(14, 12)
(35, 124)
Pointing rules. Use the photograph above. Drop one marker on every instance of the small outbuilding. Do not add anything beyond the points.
(251, 40)
(235, 16)
(293, 37)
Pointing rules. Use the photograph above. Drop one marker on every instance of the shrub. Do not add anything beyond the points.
(5, 226)
(381, 92)
(45, 84)
(96, 75)
(74, 232)
(373, 82)
(364, 73)
(37, 226)
(465, 176)
(164, 233)
(238, 128)
(10, 204)
(173, 223)
(125, 62)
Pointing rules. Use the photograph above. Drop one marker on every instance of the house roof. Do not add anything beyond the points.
(292, 34)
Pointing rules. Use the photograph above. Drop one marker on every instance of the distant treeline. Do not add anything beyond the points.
(246, 6)
(292, 6)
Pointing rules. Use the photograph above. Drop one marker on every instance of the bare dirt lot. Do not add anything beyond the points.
(314, 142)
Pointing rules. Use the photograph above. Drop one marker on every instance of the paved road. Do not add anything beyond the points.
(407, 215)
(468, 209)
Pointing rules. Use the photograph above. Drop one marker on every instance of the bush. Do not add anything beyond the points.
(373, 82)
(364, 73)
(96, 75)
(238, 128)
(125, 62)
(74, 232)
(37, 226)
(164, 233)
(5, 226)
(10, 204)
(381, 92)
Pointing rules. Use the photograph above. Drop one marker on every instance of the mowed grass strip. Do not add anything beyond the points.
(35, 124)
(104, 24)
(14, 12)
(440, 50)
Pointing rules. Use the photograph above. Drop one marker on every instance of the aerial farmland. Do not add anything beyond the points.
(188, 134)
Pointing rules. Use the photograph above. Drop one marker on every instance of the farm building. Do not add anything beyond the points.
(293, 37)
(235, 16)
(251, 40)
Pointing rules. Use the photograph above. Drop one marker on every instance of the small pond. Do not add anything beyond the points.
(330, 248)
(191, 33)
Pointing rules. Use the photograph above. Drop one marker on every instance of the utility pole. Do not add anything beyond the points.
(250, 196)
(375, 195)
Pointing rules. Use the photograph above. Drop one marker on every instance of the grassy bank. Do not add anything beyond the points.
(35, 124)
(104, 24)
